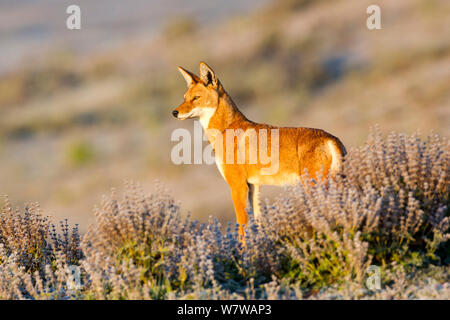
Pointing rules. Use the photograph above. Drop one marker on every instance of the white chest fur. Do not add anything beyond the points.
(205, 115)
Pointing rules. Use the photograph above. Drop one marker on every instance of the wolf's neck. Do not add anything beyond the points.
(226, 114)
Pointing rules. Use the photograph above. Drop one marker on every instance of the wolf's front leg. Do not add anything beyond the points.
(239, 193)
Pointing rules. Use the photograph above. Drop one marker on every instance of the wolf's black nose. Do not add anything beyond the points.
(175, 113)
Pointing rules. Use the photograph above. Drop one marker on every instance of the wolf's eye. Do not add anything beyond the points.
(195, 98)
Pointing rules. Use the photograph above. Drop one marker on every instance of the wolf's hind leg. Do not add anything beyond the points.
(253, 199)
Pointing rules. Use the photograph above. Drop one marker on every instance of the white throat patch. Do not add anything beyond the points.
(205, 116)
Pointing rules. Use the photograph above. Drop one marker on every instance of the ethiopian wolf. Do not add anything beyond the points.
(250, 154)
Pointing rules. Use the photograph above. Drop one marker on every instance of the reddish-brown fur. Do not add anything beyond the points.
(300, 149)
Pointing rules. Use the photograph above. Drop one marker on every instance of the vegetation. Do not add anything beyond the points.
(75, 123)
(389, 207)
(80, 153)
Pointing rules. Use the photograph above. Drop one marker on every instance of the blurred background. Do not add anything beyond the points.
(81, 111)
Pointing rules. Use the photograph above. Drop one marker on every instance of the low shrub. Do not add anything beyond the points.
(387, 207)
(388, 204)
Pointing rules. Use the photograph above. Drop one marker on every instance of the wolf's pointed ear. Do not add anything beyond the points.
(188, 76)
(207, 75)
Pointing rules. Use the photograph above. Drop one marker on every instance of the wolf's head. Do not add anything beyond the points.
(202, 96)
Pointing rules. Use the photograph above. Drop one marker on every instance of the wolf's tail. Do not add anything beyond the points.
(337, 151)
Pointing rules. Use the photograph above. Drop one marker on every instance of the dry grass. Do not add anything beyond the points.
(388, 207)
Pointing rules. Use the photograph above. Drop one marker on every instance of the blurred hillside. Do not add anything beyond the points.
(76, 122)
(33, 28)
